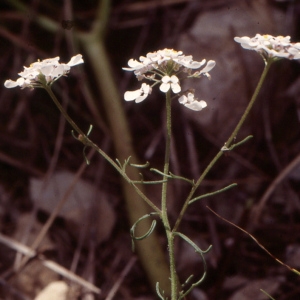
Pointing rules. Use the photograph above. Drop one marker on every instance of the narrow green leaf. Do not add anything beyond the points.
(213, 193)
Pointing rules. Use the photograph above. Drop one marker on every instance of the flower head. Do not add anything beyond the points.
(271, 47)
(167, 68)
(160, 60)
(43, 72)
(191, 102)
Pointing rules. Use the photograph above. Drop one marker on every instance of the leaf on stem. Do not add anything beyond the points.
(212, 193)
(241, 142)
(225, 148)
(182, 294)
(119, 163)
(158, 292)
(160, 173)
(187, 281)
(148, 182)
(85, 157)
(146, 165)
(173, 176)
(132, 230)
(126, 162)
(191, 181)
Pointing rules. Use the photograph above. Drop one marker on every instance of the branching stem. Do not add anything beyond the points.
(87, 142)
(164, 213)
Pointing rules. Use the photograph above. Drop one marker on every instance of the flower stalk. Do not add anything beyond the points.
(227, 144)
(250, 105)
(167, 160)
(166, 68)
(164, 213)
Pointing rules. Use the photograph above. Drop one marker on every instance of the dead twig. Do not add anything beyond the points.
(256, 241)
(30, 253)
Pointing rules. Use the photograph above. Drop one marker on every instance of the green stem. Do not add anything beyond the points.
(167, 159)
(86, 141)
(227, 144)
(249, 107)
(171, 248)
(62, 110)
(164, 214)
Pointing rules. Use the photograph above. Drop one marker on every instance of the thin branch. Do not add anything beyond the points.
(256, 241)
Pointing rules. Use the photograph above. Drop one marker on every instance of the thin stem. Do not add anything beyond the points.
(249, 107)
(86, 141)
(62, 110)
(171, 248)
(194, 188)
(164, 215)
(227, 144)
(167, 159)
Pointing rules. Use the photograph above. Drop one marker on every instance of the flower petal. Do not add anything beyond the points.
(145, 91)
(138, 95)
(209, 66)
(166, 79)
(175, 88)
(182, 99)
(75, 60)
(134, 65)
(51, 61)
(141, 98)
(11, 84)
(196, 105)
(132, 95)
(174, 79)
(164, 87)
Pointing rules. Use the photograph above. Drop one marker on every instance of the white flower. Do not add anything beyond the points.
(45, 71)
(271, 47)
(138, 95)
(159, 59)
(167, 68)
(190, 102)
(170, 82)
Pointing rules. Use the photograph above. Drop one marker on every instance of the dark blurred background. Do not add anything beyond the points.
(36, 143)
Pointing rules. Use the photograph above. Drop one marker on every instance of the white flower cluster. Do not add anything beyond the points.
(43, 72)
(164, 67)
(271, 47)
